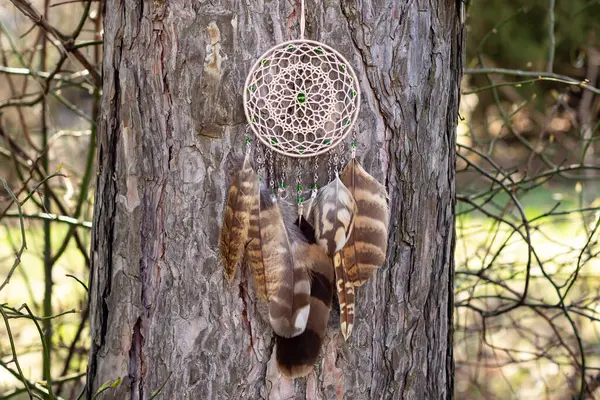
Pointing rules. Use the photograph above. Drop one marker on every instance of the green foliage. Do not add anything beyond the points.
(520, 40)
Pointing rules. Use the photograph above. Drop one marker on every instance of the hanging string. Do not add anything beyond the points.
(247, 140)
(353, 144)
(299, 188)
(271, 172)
(302, 20)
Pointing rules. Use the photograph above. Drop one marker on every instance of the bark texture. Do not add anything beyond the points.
(172, 117)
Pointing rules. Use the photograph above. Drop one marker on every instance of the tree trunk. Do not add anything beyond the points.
(172, 118)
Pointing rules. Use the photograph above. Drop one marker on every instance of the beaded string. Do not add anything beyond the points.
(299, 188)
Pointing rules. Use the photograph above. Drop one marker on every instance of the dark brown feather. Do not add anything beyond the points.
(286, 260)
(296, 356)
(241, 198)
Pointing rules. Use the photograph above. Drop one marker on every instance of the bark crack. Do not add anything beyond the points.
(136, 361)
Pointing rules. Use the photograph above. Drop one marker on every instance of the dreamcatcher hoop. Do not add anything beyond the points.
(301, 98)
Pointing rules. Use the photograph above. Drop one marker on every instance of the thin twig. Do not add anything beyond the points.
(552, 40)
(23, 238)
(539, 75)
(54, 217)
(14, 352)
(67, 43)
(46, 347)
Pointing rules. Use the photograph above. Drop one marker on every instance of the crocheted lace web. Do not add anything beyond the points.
(301, 98)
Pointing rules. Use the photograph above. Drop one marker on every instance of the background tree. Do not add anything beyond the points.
(162, 314)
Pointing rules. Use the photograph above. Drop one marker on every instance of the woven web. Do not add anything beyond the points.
(301, 98)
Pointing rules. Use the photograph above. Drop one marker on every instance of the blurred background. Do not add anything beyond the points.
(527, 316)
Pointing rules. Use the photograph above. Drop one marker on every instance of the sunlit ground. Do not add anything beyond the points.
(529, 352)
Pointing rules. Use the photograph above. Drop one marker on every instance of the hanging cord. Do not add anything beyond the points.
(247, 140)
(269, 160)
(315, 186)
(299, 188)
(282, 163)
(353, 144)
(260, 163)
(302, 20)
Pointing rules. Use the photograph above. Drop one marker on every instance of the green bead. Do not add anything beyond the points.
(342, 68)
(319, 50)
(291, 47)
(353, 94)
(282, 185)
(302, 149)
(253, 120)
(248, 139)
(299, 199)
(273, 141)
(353, 144)
(301, 98)
(299, 187)
(328, 141)
(346, 121)
(252, 88)
(265, 62)
(314, 186)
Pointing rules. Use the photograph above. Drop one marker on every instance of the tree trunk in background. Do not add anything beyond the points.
(172, 119)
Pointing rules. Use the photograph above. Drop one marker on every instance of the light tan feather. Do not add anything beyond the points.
(333, 216)
(345, 291)
(241, 198)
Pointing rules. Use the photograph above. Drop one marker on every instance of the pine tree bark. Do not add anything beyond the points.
(172, 117)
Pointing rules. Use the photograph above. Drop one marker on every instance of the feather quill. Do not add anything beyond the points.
(241, 198)
(285, 257)
(345, 292)
(366, 248)
(334, 213)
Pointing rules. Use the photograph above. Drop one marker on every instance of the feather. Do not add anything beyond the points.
(296, 356)
(366, 248)
(241, 198)
(285, 256)
(333, 216)
(334, 213)
(254, 254)
(345, 292)
(307, 206)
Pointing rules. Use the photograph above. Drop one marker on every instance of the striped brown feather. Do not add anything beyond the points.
(296, 356)
(254, 254)
(285, 260)
(242, 196)
(367, 245)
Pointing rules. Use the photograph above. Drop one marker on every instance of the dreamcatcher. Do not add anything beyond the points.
(301, 100)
